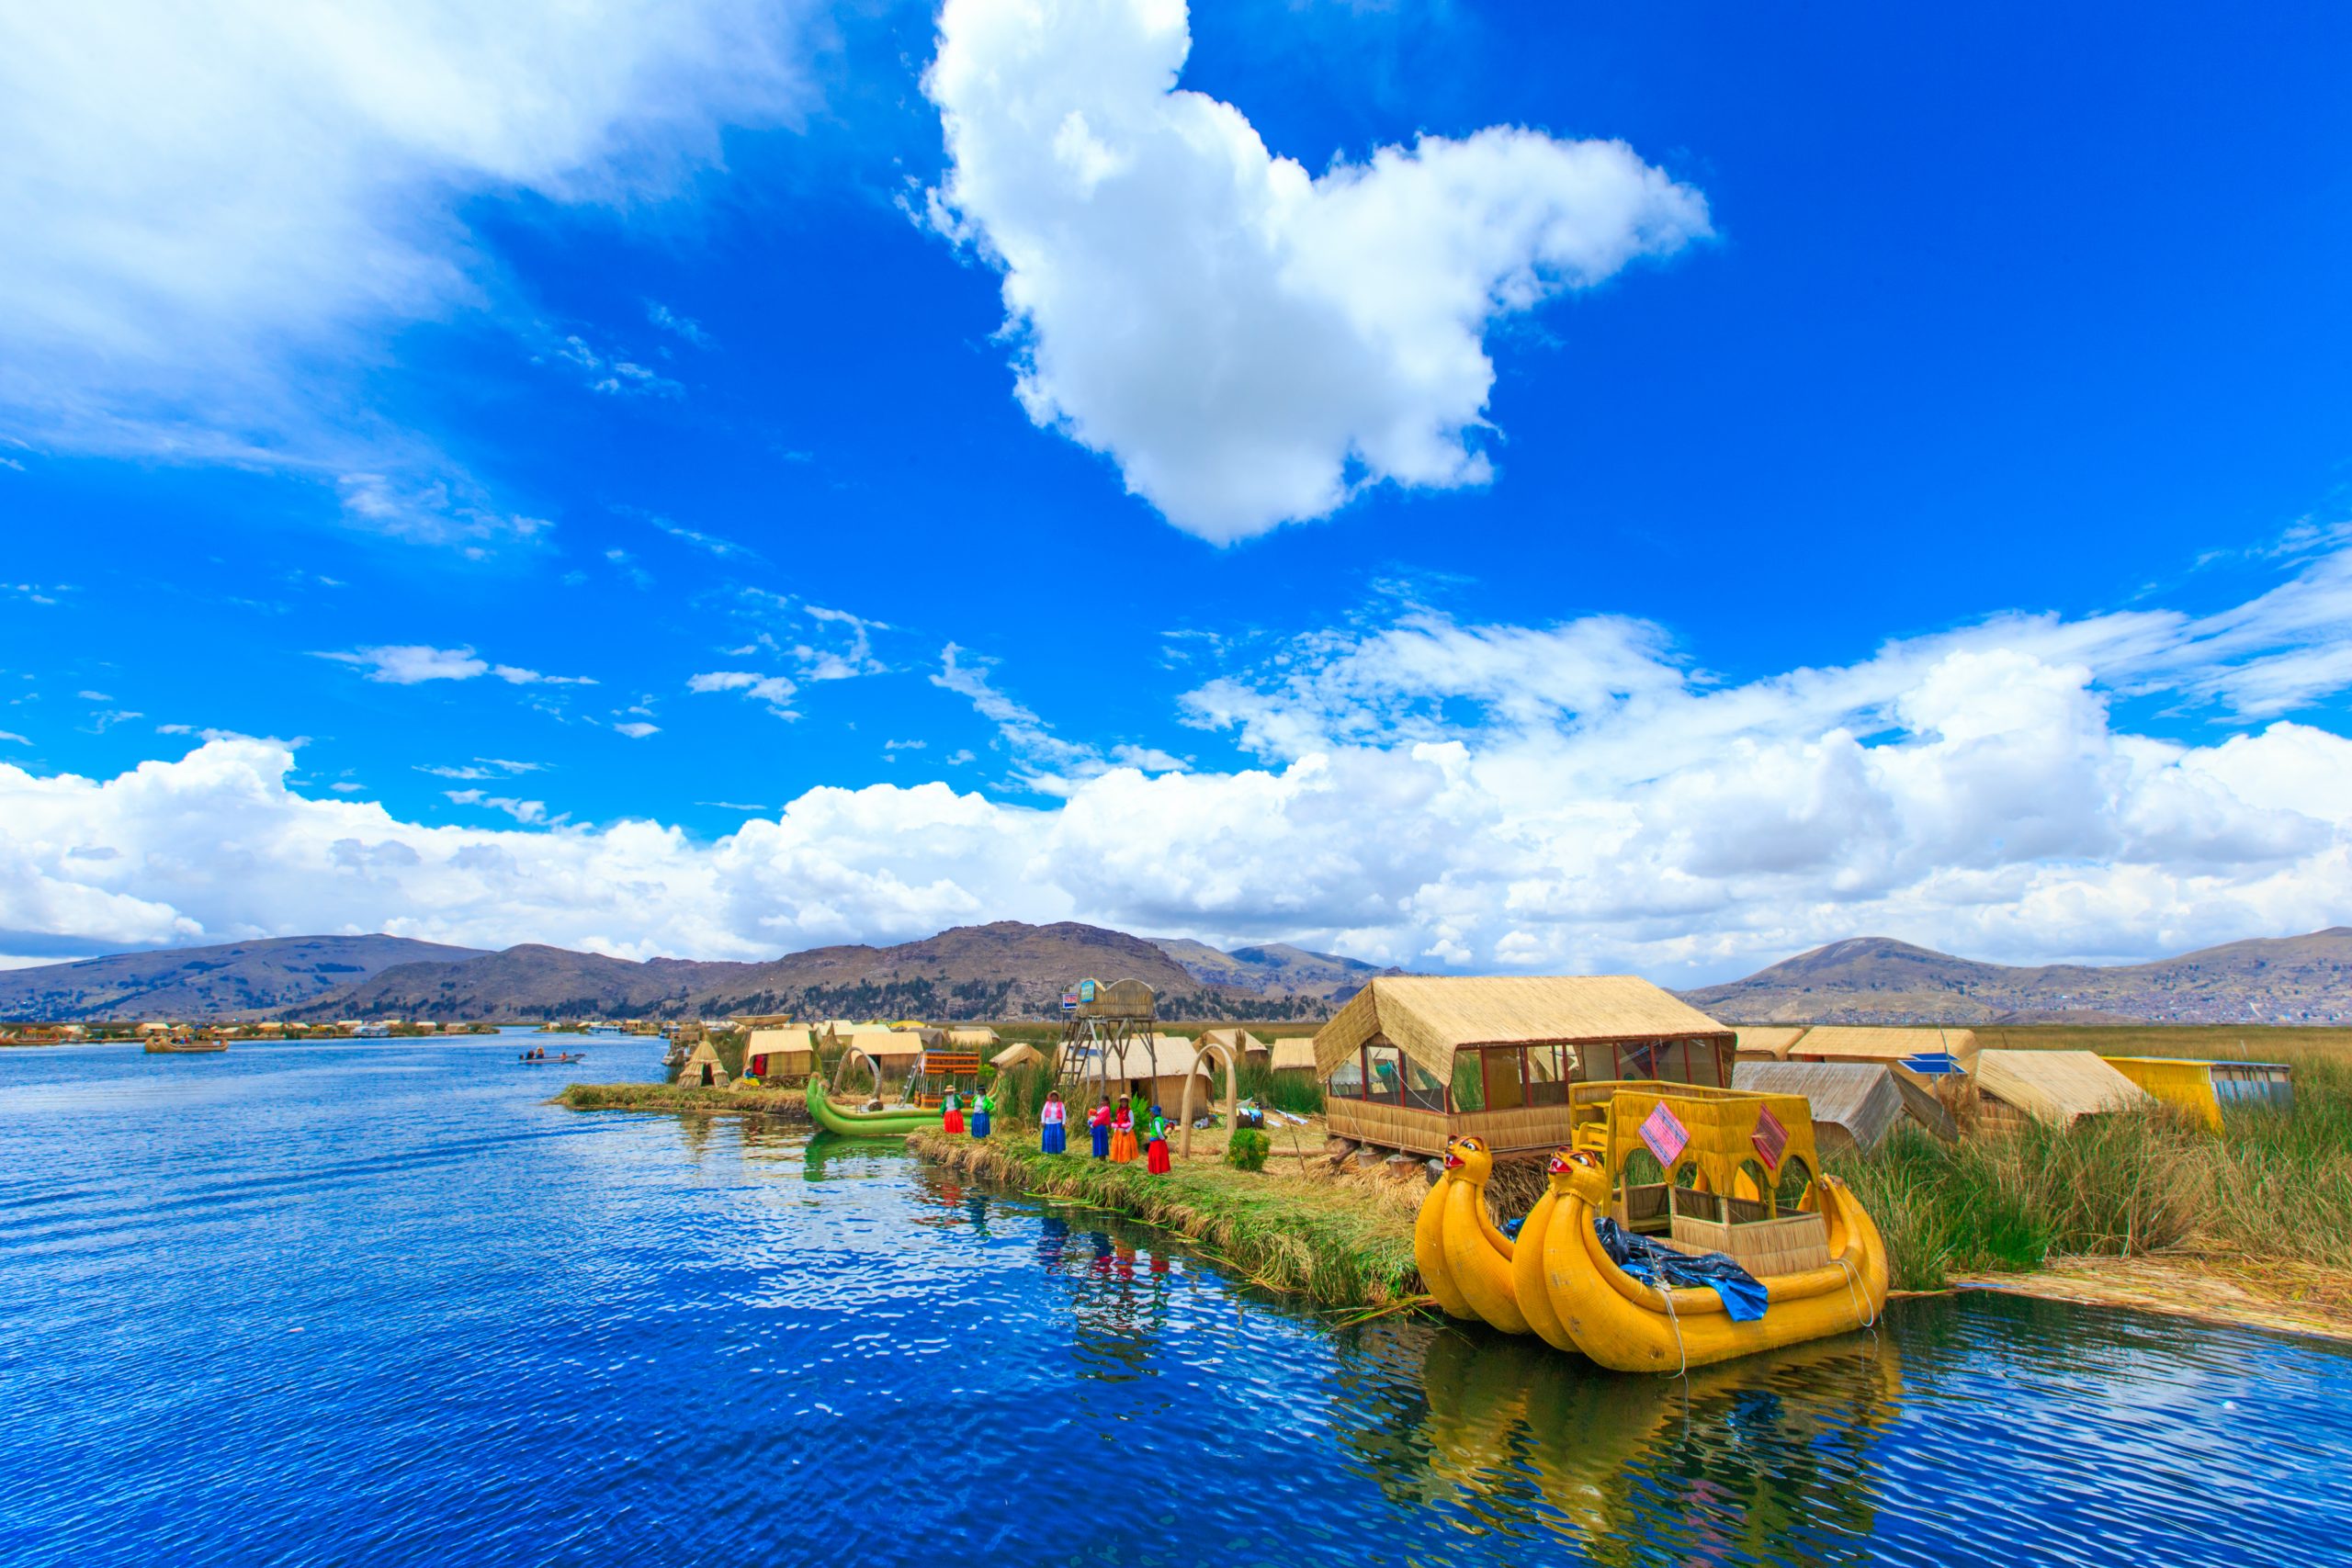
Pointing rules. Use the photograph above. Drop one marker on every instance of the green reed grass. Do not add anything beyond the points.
(1318, 1238)
(2269, 1185)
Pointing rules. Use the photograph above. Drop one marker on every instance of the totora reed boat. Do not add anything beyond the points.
(894, 1123)
(1685, 1225)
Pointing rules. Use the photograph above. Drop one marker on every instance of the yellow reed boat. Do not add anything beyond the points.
(1680, 1171)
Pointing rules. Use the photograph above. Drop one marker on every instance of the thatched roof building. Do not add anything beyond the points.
(779, 1052)
(1855, 1105)
(1020, 1054)
(703, 1068)
(1767, 1043)
(1413, 1060)
(1233, 1038)
(2055, 1087)
(1859, 1042)
(973, 1037)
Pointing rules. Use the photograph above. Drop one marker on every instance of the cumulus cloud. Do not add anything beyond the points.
(1252, 344)
(217, 216)
(411, 664)
(1427, 791)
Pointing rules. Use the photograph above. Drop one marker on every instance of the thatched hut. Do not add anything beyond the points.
(2212, 1089)
(2055, 1087)
(973, 1038)
(1293, 1055)
(773, 1053)
(1020, 1054)
(701, 1068)
(1413, 1060)
(1855, 1105)
(1233, 1038)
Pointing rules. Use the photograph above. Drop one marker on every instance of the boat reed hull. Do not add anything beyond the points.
(1630, 1327)
(867, 1123)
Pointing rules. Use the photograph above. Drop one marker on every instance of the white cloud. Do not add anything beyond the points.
(616, 376)
(775, 691)
(524, 811)
(11, 736)
(217, 217)
(409, 664)
(480, 768)
(636, 729)
(1253, 344)
(669, 321)
(1432, 792)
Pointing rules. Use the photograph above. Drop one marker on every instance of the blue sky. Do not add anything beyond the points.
(1644, 489)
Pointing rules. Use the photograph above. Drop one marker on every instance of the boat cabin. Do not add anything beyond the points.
(1709, 1169)
(1412, 1060)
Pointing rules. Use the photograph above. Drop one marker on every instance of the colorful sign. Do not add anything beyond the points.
(1069, 1001)
(1086, 990)
(1770, 1138)
(1666, 1136)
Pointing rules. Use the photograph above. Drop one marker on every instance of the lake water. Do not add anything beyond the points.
(375, 1302)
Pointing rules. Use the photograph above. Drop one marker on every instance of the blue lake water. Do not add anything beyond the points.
(376, 1303)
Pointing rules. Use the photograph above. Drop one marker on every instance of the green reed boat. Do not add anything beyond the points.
(896, 1123)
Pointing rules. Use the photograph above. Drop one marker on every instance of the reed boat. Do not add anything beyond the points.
(1679, 1173)
(894, 1123)
(181, 1046)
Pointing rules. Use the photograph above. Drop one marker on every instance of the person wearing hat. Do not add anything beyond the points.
(1155, 1129)
(1053, 1135)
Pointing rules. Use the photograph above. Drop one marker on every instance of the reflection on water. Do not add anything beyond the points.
(379, 1302)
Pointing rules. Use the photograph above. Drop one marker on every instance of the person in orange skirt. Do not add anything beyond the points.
(952, 1122)
(1155, 1147)
(1122, 1134)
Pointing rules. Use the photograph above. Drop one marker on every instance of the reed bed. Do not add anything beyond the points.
(1339, 1242)
(790, 1104)
(2268, 1191)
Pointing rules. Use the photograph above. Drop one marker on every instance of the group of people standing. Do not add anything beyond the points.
(1114, 1129)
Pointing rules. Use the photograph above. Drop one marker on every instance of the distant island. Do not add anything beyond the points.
(1010, 970)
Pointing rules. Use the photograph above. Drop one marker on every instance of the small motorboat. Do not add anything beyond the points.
(550, 1061)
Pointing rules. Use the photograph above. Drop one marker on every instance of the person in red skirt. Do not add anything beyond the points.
(1155, 1149)
(952, 1123)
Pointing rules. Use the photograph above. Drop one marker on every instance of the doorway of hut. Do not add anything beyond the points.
(708, 1080)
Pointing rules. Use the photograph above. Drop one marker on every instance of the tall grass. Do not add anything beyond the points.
(2275, 1187)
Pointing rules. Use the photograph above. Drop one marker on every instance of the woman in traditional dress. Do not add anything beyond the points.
(1155, 1157)
(1098, 1123)
(1122, 1134)
(983, 1103)
(952, 1122)
(1052, 1137)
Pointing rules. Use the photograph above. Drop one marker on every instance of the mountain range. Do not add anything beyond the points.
(2289, 980)
(1010, 970)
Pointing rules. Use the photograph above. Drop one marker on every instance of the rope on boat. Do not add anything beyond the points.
(1667, 1294)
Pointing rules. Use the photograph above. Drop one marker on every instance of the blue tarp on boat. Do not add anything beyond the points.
(1744, 1298)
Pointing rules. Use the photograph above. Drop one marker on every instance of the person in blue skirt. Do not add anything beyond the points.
(982, 1103)
(1052, 1119)
(1100, 1125)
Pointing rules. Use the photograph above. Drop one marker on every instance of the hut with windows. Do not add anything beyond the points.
(1412, 1060)
(773, 1053)
(1855, 1105)
(2213, 1090)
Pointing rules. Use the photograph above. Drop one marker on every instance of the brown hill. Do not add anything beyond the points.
(1003, 970)
(209, 982)
(2291, 980)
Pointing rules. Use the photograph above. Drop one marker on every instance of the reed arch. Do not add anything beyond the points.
(1203, 1049)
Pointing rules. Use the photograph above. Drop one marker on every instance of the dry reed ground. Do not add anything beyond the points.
(788, 1104)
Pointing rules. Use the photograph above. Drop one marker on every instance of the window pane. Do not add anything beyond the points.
(1424, 1090)
(1383, 1067)
(1469, 1093)
(1547, 1076)
(1347, 1080)
(1500, 1066)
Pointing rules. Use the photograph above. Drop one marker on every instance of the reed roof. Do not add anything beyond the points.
(972, 1037)
(1859, 1098)
(1863, 1043)
(892, 1042)
(1431, 1017)
(1233, 1038)
(2056, 1087)
(1020, 1054)
(1296, 1053)
(1770, 1040)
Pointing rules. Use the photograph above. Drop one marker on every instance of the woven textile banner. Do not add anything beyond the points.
(1665, 1136)
(1770, 1138)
